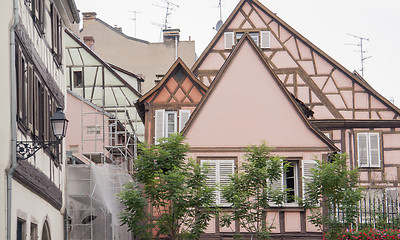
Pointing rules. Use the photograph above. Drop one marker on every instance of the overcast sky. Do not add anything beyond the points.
(325, 23)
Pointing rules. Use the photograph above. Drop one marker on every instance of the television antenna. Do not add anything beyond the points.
(134, 18)
(220, 22)
(161, 26)
(361, 51)
(169, 7)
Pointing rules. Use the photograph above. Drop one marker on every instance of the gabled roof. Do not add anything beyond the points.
(247, 39)
(354, 77)
(118, 31)
(106, 65)
(178, 64)
(126, 72)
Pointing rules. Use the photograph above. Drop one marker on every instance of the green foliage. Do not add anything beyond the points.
(172, 188)
(251, 192)
(333, 186)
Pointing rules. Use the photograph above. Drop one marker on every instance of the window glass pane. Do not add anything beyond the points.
(171, 118)
(290, 177)
(254, 36)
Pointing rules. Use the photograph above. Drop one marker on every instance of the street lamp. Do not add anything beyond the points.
(59, 124)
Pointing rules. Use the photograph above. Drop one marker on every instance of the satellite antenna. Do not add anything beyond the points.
(220, 22)
(362, 51)
(134, 18)
(170, 6)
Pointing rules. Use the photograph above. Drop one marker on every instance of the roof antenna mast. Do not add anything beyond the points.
(220, 10)
(220, 22)
(170, 6)
(362, 51)
(134, 18)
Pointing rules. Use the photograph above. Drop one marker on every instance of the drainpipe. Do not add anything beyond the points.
(13, 119)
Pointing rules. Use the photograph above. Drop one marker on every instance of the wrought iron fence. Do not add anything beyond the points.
(378, 212)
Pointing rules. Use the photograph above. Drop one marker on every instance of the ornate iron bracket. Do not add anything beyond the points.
(26, 149)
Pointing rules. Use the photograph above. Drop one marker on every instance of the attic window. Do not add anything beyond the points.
(260, 38)
(253, 35)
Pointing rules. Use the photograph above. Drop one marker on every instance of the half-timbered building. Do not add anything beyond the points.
(356, 118)
(166, 108)
(100, 83)
(33, 86)
(268, 82)
(217, 134)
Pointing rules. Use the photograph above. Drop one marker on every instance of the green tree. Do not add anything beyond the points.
(251, 191)
(334, 187)
(171, 198)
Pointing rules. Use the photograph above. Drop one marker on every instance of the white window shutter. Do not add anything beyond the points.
(226, 169)
(307, 165)
(374, 149)
(228, 36)
(211, 174)
(184, 116)
(265, 39)
(362, 149)
(159, 116)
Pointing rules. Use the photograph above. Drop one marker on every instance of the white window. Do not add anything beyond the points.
(218, 175)
(166, 122)
(170, 123)
(288, 182)
(254, 35)
(291, 180)
(368, 149)
(261, 39)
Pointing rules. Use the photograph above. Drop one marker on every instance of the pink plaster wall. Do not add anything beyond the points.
(247, 106)
(76, 127)
(292, 222)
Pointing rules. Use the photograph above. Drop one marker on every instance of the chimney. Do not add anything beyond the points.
(89, 41)
(171, 34)
(119, 29)
(88, 17)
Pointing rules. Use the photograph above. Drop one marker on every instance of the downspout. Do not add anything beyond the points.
(13, 119)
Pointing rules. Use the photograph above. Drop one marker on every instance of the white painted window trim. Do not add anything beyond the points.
(369, 148)
(166, 122)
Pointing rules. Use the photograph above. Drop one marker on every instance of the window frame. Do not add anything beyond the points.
(163, 113)
(37, 13)
(21, 229)
(174, 113)
(368, 134)
(296, 178)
